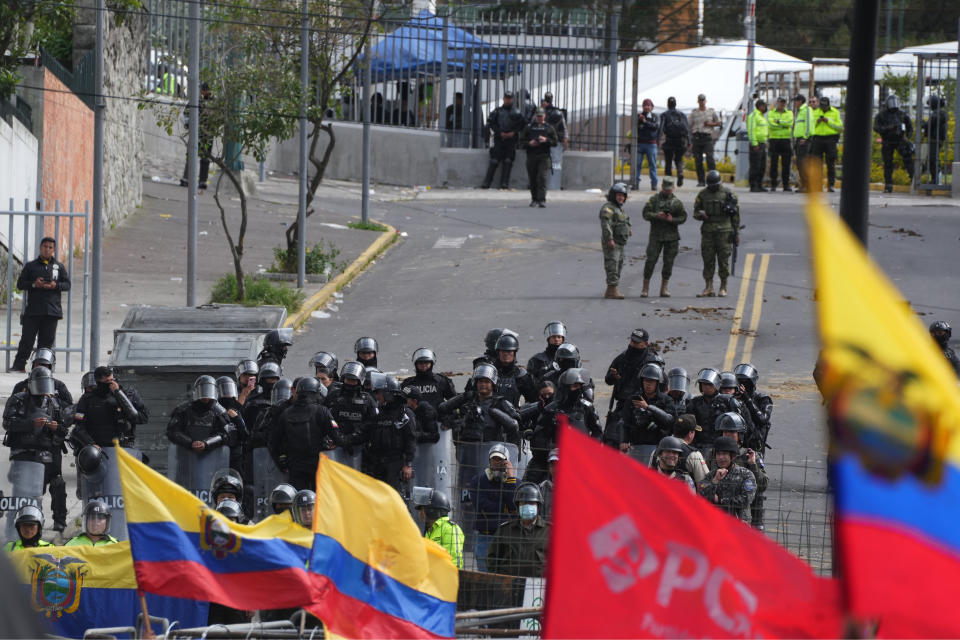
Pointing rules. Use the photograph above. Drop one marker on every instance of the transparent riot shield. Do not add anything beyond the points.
(555, 175)
(266, 476)
(434, 465)
(340, 455)
(104, 484)
(21, 484)
(194, 470)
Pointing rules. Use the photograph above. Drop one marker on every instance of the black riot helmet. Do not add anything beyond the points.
(324, 362)
(651, 371)
(90, 461)
(226, 387)
(892, 102)
(730, 421)
(204, 388)
(365, 344)
(555, 328)
(670, 443)
(490, 340)
(941, 332)
(618, 187)
(567, 356)
(725, 443)
(574, 376)
(728, 381)
(281, 391)
(713, 180)
(507, 342)
(267, 371)
(88, 382)
(40, 382)
(486, 372)
(747, 375)
(708, 376)
(302, 510)
(231, 509)
(528, 492)
(45, 357)
(548, 97)
(277, 341)
(353, 370)
(677, 379)
(309, 388)
(934, 101)
(225, 481)
(96, 508)
(281, 498)
(423, 354)
(249, 367)
(435, 502)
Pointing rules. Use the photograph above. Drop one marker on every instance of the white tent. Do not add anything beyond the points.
(719, 71)
(904, 62)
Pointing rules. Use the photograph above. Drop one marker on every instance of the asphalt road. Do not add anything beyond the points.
(478, 260)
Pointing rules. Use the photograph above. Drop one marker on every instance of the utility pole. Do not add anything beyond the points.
(193, 94)
(613, 103)
(750, 33)
(302, 204)
(365, 184)
(857, 133)
(97, 224)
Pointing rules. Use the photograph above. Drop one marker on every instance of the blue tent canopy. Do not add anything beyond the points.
(416, 50)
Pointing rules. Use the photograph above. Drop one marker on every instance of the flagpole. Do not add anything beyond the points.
(147, 627)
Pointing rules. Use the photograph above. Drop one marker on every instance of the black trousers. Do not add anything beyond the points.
(387, 470)
(780, 150)
(703, 146)
(801, 147)
(758, 165)
(673, 155)
(886, 152)
(537, 166)
(43, 329)
(933, 161)
(54, 483)
(824, 149)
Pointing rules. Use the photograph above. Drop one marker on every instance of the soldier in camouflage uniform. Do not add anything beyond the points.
(728, 485)
(720, 228)
(614, 231)
(665, 213)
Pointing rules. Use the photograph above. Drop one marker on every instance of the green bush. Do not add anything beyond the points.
(260, 292)
(367, 226)
(317, 260)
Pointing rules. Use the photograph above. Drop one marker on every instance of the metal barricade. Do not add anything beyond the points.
(935, 143)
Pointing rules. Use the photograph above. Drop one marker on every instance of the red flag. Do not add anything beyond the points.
(634, 554)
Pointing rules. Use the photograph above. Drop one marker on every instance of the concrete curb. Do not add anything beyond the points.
(320, 298)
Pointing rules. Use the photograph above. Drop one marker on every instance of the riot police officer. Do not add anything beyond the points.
(281, 498)
(246, 372)
(622, 372)
(225, 484)
(232, 510)
(717, 208)
(540, 363)
(96, 526)
(728, 485)
(45, 357)
(109, 411)
(35, 432)
(275, 346)
(304, 503)
(201, 424)
(677, 383)
(484, 414)
(353, 407)
(433, 387)
(538, 138)
(571, 402)
(708, 406)
(896, 130)
(489, 355)
(325, 365)
(941, 331)
(29, 526)
(260, 399)
(434, 509)
(615, 230)
(303, 429)
(504, 124)
(391, 443)
(567, 357)
(366, 349)
(512, 379)
(428, 427)
(647, 418)
(666, 461)
(730, 387)
(530, 412)
(731, 425)
(758, 405)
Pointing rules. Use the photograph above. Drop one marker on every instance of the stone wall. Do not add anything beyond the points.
(124, 53)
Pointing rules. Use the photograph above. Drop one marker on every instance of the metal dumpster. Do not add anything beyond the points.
(162, 350)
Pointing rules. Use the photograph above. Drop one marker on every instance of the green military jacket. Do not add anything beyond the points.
(712, 203)
(663, 229)
(518, 551)
(448, 535)
(614, 224)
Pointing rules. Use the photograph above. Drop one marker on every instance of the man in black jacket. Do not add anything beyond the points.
(505, 124)
(41, 280)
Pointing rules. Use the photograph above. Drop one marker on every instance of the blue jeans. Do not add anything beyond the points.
(480, 550)
(647, 150)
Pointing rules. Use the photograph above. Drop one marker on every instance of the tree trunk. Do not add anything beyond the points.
(320, 167)
(236, 249)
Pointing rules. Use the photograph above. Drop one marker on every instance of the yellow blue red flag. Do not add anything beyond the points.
(894, 414)
(78, 588)
(374, 574)
(182, 547)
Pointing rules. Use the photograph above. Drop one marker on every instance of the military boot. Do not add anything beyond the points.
(723, 288)
(708, 290)
(613, 293)
(646, 288)
(664, 292)
(756, 516)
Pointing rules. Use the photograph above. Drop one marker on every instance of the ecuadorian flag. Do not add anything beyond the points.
(895, 451)
(374, 574)
(79, 588)
(182, 547)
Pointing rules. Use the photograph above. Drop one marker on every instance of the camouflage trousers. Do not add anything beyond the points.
(670, 249)
(613, 263)
(715, 249)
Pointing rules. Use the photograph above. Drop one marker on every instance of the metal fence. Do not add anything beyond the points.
(23, 230)
(936, 142)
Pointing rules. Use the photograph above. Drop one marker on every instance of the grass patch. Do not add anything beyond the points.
(368, 226)
(319, 259)
(260, 292)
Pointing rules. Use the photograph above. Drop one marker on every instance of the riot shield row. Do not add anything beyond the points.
(104, 484)
(20, 486)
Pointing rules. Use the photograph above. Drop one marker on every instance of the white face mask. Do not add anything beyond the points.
(528, 511)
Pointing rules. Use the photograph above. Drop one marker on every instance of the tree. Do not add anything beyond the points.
(26, 25)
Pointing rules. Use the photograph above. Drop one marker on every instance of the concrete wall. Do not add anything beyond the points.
(19, 150)
(410, 157)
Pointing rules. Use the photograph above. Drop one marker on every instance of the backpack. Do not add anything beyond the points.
(673, 124)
